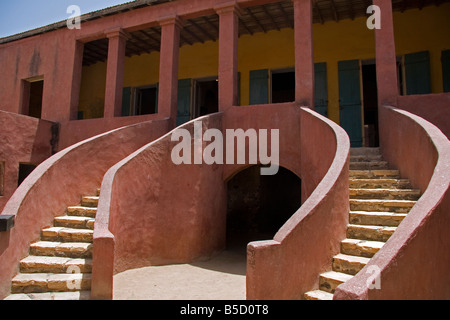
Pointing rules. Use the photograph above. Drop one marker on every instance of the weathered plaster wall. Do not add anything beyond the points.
(60, 181)
(31, 146)
(288, 266)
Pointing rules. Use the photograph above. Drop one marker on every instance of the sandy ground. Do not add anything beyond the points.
(220, 278)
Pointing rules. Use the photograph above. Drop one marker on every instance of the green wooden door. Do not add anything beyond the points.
(259, 86)
(184, 101)
(320, 88)
(126, 101)
(417, 73)
(350, 100)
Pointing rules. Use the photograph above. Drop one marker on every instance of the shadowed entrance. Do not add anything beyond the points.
(259, 205)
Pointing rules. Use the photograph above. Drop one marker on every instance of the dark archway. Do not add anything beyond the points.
(257, 206)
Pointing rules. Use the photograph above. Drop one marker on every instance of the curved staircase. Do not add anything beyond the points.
(379, 200)
(59, 265)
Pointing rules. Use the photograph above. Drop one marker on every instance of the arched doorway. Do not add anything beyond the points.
(257, 205)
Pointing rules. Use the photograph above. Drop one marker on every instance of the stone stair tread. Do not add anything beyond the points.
(393, 184)
(351, 258)
(338, 276)
(375, 174)
(51, 264)
(67, 296)
(363, 158)
(398, 206)
(45, 248)
(399, 203)
(349, 264)
(81, 211)
(365, 151)
(45, 282)
(318, 295)
(384, 193)
(77, 222)
(379, 218)
(90, 201)
(68, 234)
(370, 232)
(368, 165)
(360, 247)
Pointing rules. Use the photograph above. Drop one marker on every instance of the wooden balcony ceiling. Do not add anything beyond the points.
(260, 18)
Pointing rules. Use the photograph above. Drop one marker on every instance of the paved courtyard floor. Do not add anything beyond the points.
(220, 278)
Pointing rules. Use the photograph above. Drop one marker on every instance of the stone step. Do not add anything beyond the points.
(44, 264)
(62, 249)
(386, 194)
(81, 211)
(75, 222)
(349, 264)
(397, 206)
(62, 234)
(380, 183)
(389, 219)
(43, 282)
(318, 295)
(369, 165)
(362, 248)
(329, 281)
(67, 296)
(364, 151)
(89, 201)
(364, 158)
(374, 174)
(373, 233)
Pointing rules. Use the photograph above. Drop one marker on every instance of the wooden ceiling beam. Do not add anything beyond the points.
(270, 17)
(334, 10)
(202, 30)
(318, 12)
(286, 16)
(254, 19)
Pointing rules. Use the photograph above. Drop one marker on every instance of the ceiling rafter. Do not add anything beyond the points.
(202, 30)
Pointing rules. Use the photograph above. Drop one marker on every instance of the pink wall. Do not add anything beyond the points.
(289, 265)
(432, 107)
(59, 182)
(144, 218)
(23, 140)
(414, 262)
(153, 212)
(72, 132)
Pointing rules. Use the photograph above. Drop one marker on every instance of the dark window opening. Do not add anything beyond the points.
(206, 97)
(24, 171)
(146, 101)
(258, 206)
(32, 98)
(283, 87)
(370, 95)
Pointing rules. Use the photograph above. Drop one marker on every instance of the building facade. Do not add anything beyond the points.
(147, 67)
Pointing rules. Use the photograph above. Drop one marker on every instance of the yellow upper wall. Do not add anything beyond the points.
(415, 30)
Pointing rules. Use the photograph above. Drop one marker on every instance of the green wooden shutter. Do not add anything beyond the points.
(417, 72)
(320, 88)
(350, 100)
(259, 86)
(184, 101)
(126, 101)
(445, 59)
